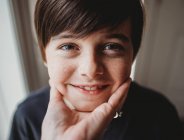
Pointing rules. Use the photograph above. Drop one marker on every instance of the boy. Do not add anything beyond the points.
(88, 47)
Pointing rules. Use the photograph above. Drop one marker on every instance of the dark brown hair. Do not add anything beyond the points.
(83, 17)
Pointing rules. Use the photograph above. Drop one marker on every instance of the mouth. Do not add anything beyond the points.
(91, 89)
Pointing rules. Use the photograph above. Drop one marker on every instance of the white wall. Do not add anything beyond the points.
(12, 82)
(160, 63)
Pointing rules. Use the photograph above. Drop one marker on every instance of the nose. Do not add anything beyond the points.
(91, 66)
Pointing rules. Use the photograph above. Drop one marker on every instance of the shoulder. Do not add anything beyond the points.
(36, 101)
(34, 106)
(40, 96)
(151, 112)
(147, 105)
(145, 98)
(28, 117)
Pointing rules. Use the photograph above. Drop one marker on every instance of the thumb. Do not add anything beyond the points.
(103, 114)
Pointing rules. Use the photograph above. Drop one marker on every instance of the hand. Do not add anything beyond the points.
(62, 123)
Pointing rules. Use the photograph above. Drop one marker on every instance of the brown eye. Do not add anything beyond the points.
(113, 47)
(113, 50)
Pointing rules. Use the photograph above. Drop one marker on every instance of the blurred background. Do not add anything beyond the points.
(159, 64)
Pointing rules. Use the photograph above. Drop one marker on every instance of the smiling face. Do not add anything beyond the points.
(87, 70)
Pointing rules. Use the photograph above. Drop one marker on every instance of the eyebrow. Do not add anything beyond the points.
(120, 36)
(63, 36)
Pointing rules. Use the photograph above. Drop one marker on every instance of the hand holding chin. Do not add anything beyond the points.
(62, 122)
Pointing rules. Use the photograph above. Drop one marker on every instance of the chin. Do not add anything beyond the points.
(88, 107)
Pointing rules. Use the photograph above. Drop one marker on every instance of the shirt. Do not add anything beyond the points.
(147, 115)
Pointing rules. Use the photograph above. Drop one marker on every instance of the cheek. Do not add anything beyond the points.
(120, 69)
(125, 68)
(60, 71)
(119, 74)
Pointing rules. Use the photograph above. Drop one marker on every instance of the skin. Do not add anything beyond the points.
(62, 123)
(102, 60)
(91, 61)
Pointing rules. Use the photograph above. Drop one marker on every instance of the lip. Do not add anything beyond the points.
(90, 89)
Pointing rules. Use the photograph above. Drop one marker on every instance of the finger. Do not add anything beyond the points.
(57, 100)
(98, 120)
(57, 104)
(54, 93)
(116, 100)
(118, 97)
(103, 114)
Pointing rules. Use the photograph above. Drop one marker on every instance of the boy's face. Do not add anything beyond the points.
(86, 71)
